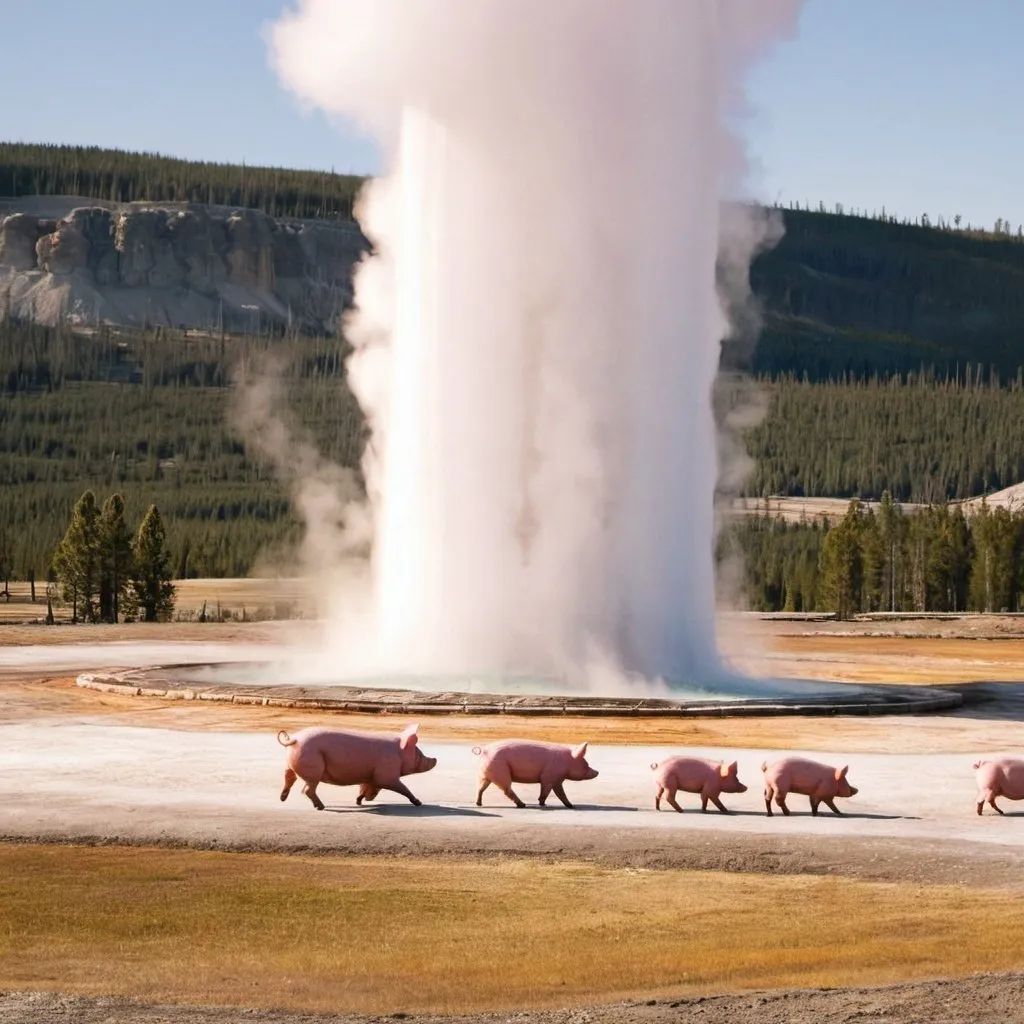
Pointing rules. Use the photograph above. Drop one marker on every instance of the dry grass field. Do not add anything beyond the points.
(236, 599)
(382, 936)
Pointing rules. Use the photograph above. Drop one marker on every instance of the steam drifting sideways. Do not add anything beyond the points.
(538, 330)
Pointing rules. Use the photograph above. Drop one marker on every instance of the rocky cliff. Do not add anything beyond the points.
(179, 265)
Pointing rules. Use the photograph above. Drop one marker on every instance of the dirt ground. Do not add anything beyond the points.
(982, 999)
(931, 842)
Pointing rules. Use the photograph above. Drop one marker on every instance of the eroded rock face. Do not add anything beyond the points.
(198, 244)
(232, 260)
(63, 251)
(96, 225)
(18, 236)
(250, 254)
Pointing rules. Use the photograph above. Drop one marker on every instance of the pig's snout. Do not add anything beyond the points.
(854, 791)
(592, 773)
(740, 788)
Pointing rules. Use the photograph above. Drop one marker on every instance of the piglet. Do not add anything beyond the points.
(999, 778)
(526, 761)
(695, 775)
(372, 762)
(821, 782)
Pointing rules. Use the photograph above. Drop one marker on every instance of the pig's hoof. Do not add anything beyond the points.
(417, 803)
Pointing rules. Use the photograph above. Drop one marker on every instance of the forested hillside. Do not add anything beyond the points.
(891, 363)
(148, 415)
(116, 176)
(865, 296)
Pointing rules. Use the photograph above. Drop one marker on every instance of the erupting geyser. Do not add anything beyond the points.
(537, 333)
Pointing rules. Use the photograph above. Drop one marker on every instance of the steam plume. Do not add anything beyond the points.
(538, 332)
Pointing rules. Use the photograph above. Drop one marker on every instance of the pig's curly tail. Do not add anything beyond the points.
(764, 766)
(287, 741)
(977, 764)
(654, 764)
(478, 751)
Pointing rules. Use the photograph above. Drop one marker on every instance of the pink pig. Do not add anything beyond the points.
(352, 759)
(694, 775)
(821, 782)
(549, 764)
(999, 778)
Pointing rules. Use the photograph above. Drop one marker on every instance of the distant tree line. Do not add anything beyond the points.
(106, 576)
(122, 177)
(934, 560)
(1002, 227)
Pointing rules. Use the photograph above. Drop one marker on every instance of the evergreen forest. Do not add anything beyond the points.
(115, 176)
(888, 362)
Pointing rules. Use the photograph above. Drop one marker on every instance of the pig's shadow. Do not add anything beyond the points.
(408, 811)
(696, 812)
(586, 807)
(859, 815)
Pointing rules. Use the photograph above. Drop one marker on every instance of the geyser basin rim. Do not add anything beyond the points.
(173, 683)
(292, 672)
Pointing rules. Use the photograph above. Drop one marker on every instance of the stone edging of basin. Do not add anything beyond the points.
(160, 683)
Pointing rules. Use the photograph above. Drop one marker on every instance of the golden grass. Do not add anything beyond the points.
(292, 596)
(383, 935)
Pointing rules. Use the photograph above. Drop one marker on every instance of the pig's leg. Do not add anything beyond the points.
(511, 794)
(657, 798)
(560, 793)
(830, 801)
(289, 781)
(501, 776)
(718, 803)
(815, 801)
(769, 794)
(670, 796)
(403, 790)
(367, 791)
(992, 802)
(484, 783)
(309, 789)
(780, 799)
(545, 792)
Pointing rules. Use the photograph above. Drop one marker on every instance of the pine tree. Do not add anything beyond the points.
(842, 565)
(152, 590)
(116, 559)
(76, 560)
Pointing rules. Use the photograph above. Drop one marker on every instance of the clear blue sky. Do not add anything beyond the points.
(914, 104)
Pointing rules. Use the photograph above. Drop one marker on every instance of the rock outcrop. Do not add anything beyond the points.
(180, 265)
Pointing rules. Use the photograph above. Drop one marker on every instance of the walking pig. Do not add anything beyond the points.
(999, 778)
(526, 761)
(694, 775)
(821, 782)
(353, 759)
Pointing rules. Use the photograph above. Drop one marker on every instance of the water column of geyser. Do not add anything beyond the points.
(537, 333)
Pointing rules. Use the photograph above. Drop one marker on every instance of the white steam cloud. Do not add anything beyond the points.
(538, 331)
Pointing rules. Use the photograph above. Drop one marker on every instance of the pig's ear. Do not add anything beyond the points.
(408, 737)
(728, 769)
(580, 751)
(841, 772)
